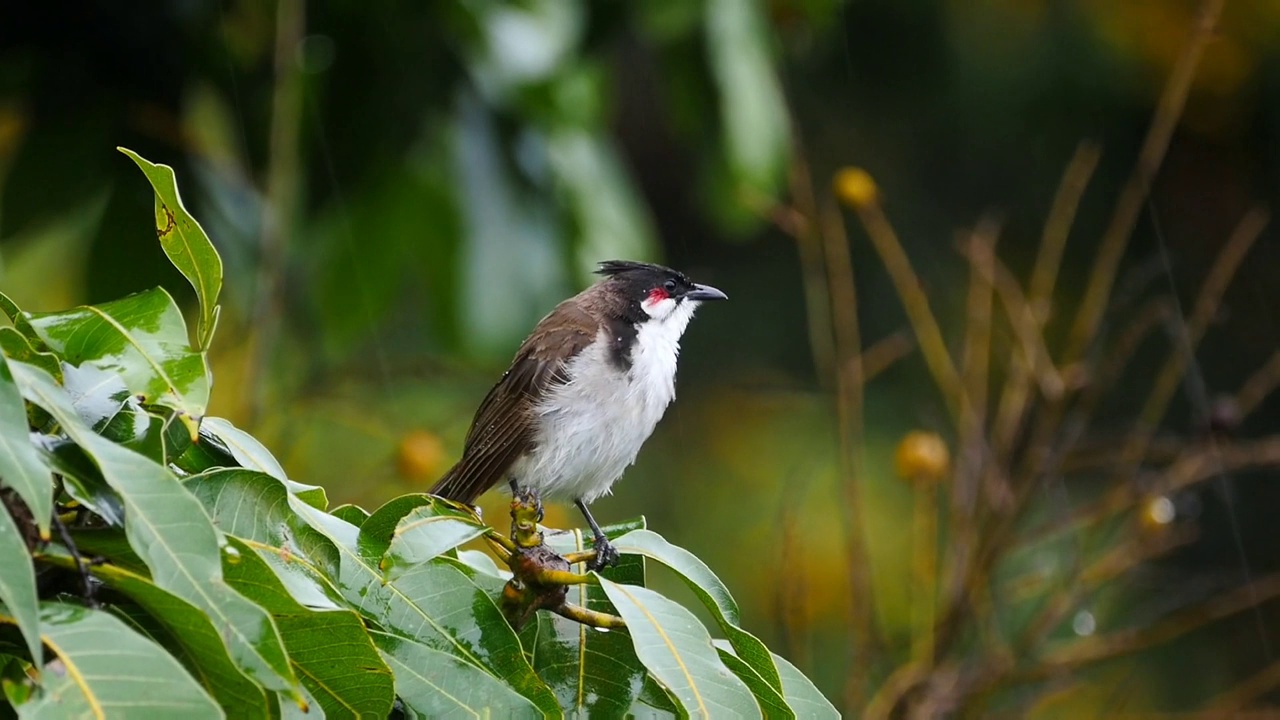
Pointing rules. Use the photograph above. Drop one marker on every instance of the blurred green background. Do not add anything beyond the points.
(399, 191)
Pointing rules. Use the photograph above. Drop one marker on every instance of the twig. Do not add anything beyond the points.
(1166, 383)
(1057, 226)
(282, 200)
(914, 301)
(849, 405)
(1129, 205)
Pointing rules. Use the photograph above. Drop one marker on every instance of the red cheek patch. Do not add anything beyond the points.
(657, 295)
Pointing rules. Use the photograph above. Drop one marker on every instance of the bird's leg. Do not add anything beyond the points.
(605, 554)
(589, 617)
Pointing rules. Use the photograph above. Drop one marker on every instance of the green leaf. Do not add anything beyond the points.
(104, 669)
(255, 506)
(109, 544)
(752, 111)
(353, 514)
(18, 347)
(713, 594)
(330, 649)
(437, 604)
(81, 479)
(675, 647)
(194, 640)
(434, 684)
(143, 339)
(654, 702)
(426, 532)
(20, 465)
(175, 538)
(186, 244)
(19, 320)
(253, 455)
(771, 701)
(18, 584)
(450, 612)
(593, 673)
(801, 694)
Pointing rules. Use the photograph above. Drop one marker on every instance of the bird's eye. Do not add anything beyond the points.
(669, 286)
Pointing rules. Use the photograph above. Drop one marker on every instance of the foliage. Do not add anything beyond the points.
(190, 575)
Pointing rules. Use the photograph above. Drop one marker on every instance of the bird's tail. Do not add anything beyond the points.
(451, 487)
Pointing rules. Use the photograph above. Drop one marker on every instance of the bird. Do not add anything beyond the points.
(584, 392)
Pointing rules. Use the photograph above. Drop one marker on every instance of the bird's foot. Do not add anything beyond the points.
(606, 555)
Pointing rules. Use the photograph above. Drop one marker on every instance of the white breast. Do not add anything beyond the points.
(592, 427)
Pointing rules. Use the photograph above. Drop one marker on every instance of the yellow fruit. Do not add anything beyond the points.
(922, 456)
(855, 188)
(421, 456)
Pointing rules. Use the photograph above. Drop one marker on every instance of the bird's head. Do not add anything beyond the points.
(660, 293)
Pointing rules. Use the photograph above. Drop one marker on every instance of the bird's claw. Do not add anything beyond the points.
(606, 555)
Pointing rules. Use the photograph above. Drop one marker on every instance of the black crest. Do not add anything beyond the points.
(641, 271)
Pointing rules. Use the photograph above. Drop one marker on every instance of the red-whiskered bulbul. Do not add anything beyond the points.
(585, 390)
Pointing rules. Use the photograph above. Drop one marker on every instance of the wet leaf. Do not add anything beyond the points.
(254, 506)
(198, 644)
(20, 322)
(434, 684)
(593, 673)
(170, 531)
(801, 694)
(186, 244)
(436, 604)
(86, 678)
(143, 339)
(771, 701)
(81, 479)
(20, 464)
(18, 583)
(329, 648)
(14, 345)
(713, 594)
(253, 455)
(427, 532)
(675, 647)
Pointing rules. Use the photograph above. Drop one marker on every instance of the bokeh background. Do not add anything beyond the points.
(399, 190)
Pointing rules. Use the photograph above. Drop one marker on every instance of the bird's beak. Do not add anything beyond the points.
(702, 293)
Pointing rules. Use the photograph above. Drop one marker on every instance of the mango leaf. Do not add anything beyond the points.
(677, 650)
(186, 244)
(19, 320)
(190, 635)
(434, 684)
(801, 694)
(771, 701)
(253, 455)
(593, 673)
(20, 465)
(426, 532)
(104, 669)
(110, 545)
(18, 584)
(175, 538)
(255, 506)
(654, 702)
(330, 649)
(14, 345)
(437, 604)
(713, 594)
(81, 479)
(353, 514)
(143, 339)
(752, 110)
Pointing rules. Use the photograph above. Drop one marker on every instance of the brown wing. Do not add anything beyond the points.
(502, 430)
